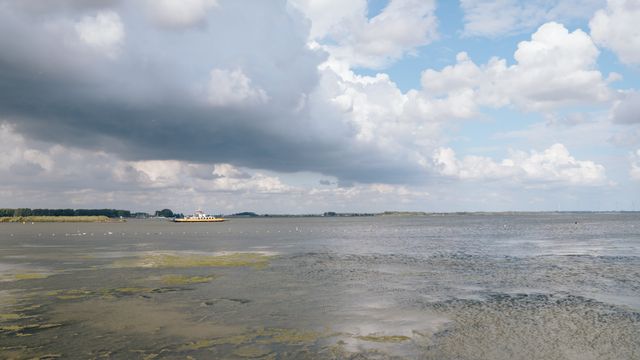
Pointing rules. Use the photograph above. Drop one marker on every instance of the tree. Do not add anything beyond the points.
(165, 213)
(22, 212)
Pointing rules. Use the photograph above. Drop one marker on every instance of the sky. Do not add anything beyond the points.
(307, 106)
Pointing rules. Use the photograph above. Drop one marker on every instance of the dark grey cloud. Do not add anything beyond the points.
(150, 101)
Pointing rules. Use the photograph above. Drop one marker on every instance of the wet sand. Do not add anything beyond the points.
(535, 286)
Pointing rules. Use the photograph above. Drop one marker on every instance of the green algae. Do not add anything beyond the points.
(144, 354)
(30, 276)
(251, 352)
(287, 336)
(49, 356)
(75, 294)
(23, 276)
(11, 317)
(30, 307)
(23, 321)
(197, 345)
(261, 336)
(71, 294)
(186, 280)
(191, 260)
(13, 328)
(126, 291)
(227, 340)
(24, 352)
(19, 329)
(384, 338)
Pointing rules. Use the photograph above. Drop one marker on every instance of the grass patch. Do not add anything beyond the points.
(25, 219)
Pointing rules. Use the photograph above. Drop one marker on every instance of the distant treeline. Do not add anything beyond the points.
(112, 213)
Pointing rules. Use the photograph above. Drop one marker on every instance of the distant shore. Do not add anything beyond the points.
(65, 219)
(419, 214)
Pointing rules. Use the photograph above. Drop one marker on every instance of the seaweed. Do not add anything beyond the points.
(22, 329)
(251, 352)
(30, 276)
(383, 338)
(191, 260)
(186, 280)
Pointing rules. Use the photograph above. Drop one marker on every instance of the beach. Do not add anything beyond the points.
(465, 286)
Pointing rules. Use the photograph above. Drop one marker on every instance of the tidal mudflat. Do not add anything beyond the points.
(530, 286)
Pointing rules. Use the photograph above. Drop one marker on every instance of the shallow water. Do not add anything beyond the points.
(536, 286)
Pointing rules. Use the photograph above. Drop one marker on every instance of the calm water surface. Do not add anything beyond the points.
(541, 286)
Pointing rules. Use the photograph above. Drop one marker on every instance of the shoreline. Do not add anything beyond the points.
(58, 219)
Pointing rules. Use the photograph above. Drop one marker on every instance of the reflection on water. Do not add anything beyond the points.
(540, 286)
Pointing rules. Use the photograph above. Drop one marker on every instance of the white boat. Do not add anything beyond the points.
(199, 216)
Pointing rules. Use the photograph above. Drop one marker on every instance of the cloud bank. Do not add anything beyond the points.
(113, 99)
(552, 166)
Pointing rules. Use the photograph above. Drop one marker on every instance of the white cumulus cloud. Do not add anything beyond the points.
(555, 68)
(616, 28)
(343, 29)
(494, 18)
(233, 87)
(233, 179)
(104, 32)
(553, 165)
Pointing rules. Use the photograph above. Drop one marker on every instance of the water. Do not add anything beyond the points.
(536, 286)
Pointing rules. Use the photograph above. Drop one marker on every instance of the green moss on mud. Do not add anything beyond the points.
(186, 280)
(28, 219)
(260, 336)
(251, 352)
(20, 329)
(30, 276)
(384, 338)
(190, 260)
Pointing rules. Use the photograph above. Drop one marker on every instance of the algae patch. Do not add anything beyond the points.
(26, 329)
(30, 276)
(186, 280)
(384, 338)
(256, 260)
(288, 336)
(12, 316)
(23, 276)
(22, 321)
(228, 340)
(71, 294)
(251, 352)
(261, 336)
(137, 315)
(76, 294)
